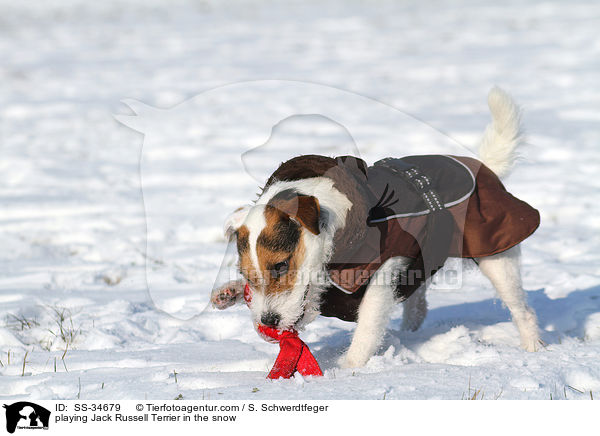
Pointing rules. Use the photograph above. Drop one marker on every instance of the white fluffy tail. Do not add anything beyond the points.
(503, 136)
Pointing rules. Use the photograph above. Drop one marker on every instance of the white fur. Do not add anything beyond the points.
(235, 220)
(374, 313)
(255, 222)
(498, 147)
(503, 270)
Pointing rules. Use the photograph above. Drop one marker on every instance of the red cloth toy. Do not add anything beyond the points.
(294, 354)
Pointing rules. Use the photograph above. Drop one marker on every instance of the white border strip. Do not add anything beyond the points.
(338, 286)
(460, 200)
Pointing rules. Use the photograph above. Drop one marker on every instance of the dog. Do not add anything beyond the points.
(335, 237)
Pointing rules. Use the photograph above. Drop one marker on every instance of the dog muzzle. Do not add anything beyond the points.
(294, 354)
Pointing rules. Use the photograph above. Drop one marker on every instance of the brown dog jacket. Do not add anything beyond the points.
(426, 208)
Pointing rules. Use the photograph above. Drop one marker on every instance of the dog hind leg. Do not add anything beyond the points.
(503, 271)
(373, 314)
(415, 310)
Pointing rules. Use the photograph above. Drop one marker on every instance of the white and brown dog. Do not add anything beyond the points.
(332, 236)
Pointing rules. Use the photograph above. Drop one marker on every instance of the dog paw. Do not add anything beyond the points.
(411, 324)
(350, 361)
(224, 299)
(532, 344)
(226, 296)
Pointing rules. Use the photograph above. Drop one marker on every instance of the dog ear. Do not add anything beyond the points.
(308, 213)
(235, 220)
(304, 209)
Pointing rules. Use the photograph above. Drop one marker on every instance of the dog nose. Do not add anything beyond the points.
(270, 319)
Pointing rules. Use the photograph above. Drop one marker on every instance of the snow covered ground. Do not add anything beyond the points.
(79, 316)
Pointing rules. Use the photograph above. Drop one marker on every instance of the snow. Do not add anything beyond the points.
(92, 317)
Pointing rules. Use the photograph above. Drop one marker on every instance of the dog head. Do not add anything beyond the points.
(278, 245)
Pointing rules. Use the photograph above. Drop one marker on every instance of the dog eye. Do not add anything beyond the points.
(280, 269)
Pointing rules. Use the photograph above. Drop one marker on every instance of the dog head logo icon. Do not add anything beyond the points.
(26, 415)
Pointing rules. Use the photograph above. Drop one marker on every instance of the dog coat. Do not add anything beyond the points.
(426, 208)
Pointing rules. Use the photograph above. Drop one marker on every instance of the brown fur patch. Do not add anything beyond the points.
(242, 239)
(246, 266)
(304, 209)
(278, 242)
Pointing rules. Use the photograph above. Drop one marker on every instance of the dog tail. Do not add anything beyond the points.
(503, 136)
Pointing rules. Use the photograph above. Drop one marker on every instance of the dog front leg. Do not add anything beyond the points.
(373, 314)
(228, 294)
